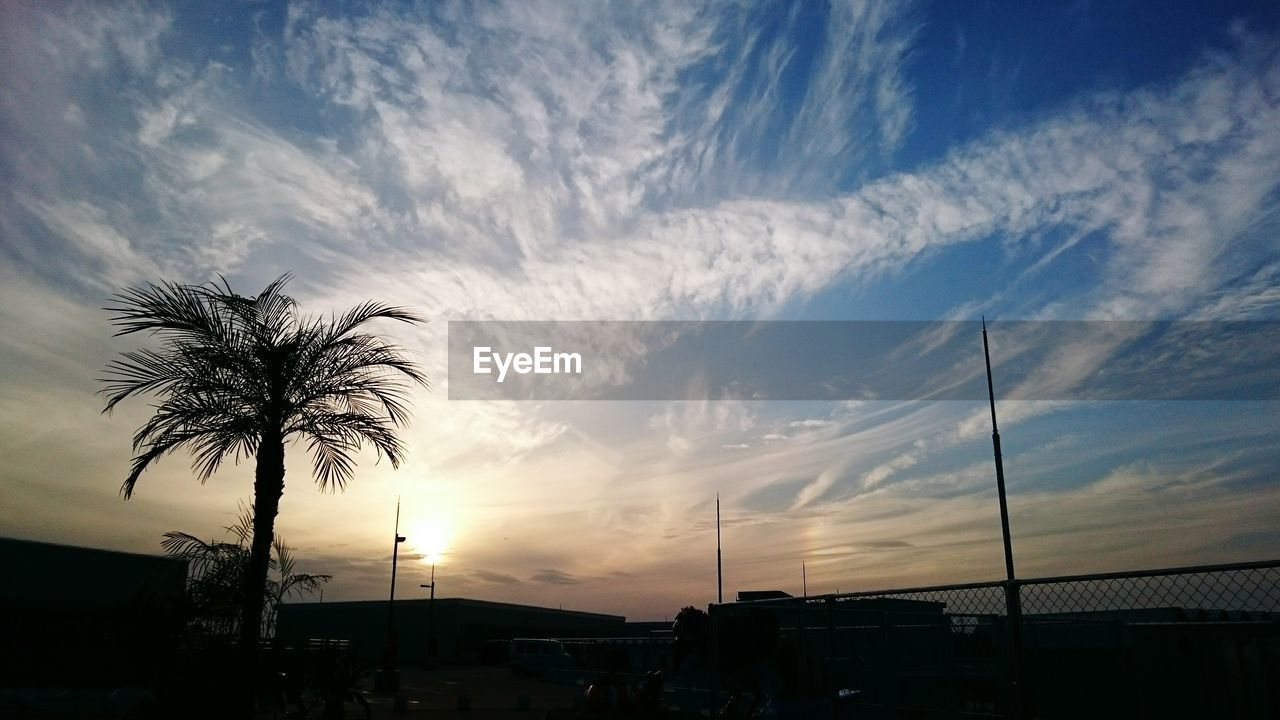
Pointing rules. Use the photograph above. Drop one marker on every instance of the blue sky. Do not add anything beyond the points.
(657, 161)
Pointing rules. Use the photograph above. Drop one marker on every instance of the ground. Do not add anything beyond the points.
(493, 693)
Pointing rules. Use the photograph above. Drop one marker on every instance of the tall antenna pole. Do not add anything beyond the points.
(1013, 603)
(804, 581)
(995, 441)
(719, 564)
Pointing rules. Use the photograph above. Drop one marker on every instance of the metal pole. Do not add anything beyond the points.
(1013, 603)
(387, 679)
(802, 659)
(395, 556)
(431, 611)
(714, 695)
(391, 601)
(719, 565)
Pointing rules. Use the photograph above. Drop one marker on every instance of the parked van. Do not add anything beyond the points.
(531, 656)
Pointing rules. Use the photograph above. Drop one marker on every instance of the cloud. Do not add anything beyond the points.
(551, 576)
(1101, 166)
(411, 185)
(495, 577)
(820, 485)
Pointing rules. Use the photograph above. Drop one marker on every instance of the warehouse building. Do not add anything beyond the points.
(454, 630)
(77, 616)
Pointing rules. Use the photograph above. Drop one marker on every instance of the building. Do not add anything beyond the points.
(77, 616)
(754, 595)
(457, 630)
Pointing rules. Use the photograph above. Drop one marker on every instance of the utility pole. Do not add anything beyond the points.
(1013, 603)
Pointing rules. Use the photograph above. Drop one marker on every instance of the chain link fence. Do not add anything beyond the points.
(1182, 642)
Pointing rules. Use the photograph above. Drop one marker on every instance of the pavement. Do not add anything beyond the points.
(492, 691)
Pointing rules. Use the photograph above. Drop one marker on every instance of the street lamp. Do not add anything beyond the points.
(388, 680)
(395, 556)
(431, 608)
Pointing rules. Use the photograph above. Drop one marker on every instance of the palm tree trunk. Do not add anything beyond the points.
(268, 486)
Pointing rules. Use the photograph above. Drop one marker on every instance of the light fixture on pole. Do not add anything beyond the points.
(388, 679)
(431, 609)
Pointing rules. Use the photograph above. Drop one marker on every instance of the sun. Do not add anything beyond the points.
(431, 539)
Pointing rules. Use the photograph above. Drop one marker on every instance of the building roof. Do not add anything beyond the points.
(51, 574)
(750, 595)
(461, 603)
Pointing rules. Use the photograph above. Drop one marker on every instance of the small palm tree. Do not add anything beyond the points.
(217, 575)
(287, 584)
(241, 376)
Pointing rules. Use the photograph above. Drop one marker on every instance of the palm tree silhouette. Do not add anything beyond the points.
(217, 576)
(242, 376)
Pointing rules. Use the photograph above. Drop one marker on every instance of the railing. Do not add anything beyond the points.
(1178, 642)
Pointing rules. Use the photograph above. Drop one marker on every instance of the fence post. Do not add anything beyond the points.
(714, 666)
(1013, 607)
(828, 680)
(890, 667)
(802, 660)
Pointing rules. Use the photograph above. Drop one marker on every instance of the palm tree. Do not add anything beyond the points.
(242, 376)
(217, 572)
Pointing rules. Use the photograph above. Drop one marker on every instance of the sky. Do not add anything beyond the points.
(655, 161)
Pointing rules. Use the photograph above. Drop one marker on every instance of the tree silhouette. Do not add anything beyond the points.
(242, 376)
(691, 628)
(217, 571)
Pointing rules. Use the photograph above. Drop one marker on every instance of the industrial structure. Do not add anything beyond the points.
(76, 615)
(457, 630)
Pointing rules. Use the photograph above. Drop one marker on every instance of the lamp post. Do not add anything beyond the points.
(395, 556)
(389, 679)
(431, 610)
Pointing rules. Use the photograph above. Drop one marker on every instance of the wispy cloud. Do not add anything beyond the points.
(552, 576)
(495, 577)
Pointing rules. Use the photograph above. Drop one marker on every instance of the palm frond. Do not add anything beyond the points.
(333, 436)
(187, 547)
(210, 425)
(203, 558)
(371, 310)
(242, 527)
(300, 584)
(357, 374)
(268, 318)
(168, 307)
